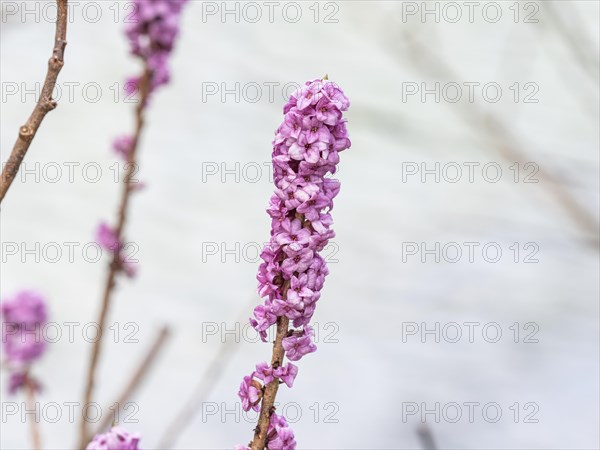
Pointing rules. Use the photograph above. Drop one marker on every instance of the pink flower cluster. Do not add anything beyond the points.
(122, 146)
(23, 317)
(251, 389)
(106, 237)
(152, 31)
(116, 439)
(306, 150)
(279, 437)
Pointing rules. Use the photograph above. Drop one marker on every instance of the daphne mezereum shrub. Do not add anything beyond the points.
(305, 152)
(152, 32)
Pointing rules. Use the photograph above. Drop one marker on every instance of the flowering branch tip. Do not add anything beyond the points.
(305, 152)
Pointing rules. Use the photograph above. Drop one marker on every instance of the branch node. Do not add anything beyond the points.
(50, 104)
(25, 132)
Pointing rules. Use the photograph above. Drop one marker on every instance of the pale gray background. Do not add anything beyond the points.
(370, 291)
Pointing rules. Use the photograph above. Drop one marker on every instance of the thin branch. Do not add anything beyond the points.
(572, 32)
(116, 264)
(267, 408)
(44, 105)
(202, 391)
(505, 142)
(138, 376)
(30, 388)
(426, 437)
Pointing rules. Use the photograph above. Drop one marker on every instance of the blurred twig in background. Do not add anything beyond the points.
(567, 25)
(582, 48)
(505, 143)
(116, 265)
(30, 390)
(207, 381)
(138, 376)
(44, 105)
(426, 437)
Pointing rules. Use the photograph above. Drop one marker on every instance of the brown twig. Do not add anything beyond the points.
(213, 370)
(426, 437)
(116, 264)
(270, 390)
(138, 375)
(504, 141)
(44, 105)
(30, 388)
(573, 33)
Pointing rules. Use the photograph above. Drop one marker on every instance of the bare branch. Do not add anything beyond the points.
(44, 105)
(505, 143)
(30, 388)
(426, 437)
(116, 264)
(138, 376)
(267, 407)
(213, 370)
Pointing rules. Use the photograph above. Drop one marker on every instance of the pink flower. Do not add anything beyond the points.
(305, 150)
(316, 130)
(314, 205)
(299, 344)
(132, 86)
(123, 146)
(19, 380)
(292, 231)
(282, 307)
(298, 259)
(264, 372)
(283, 440)
(287, 373)
(23, 318)
(290, 128)
(327, 112)
(264, 319)
(25, 308)
(299, 293)
(309, 95)
(280, 436)
(116, 439)
(106, 237)
(250, 393)
(336, 96)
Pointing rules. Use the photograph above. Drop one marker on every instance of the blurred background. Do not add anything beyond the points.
(464, 274)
